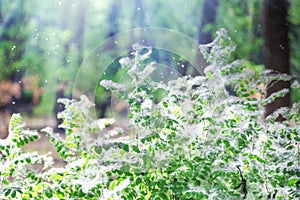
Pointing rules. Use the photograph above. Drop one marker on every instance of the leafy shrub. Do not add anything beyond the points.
(196, 142)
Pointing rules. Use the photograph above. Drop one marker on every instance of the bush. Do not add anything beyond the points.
(196, 142)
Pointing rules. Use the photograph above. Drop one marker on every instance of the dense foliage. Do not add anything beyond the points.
(195, 142)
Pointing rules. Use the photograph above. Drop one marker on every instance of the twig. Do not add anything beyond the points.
(2, 154)
(243, 184)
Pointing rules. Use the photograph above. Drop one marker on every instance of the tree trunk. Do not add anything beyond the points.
(276, 48)
(79, 32)
(209, 11)
(138, 19)
(61, 85)
(65, 18)
(1, 18)
(113, 18)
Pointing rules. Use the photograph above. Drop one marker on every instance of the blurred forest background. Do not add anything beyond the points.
(43, 43)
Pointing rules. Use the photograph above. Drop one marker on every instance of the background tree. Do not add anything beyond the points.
(113, 19)
(242, 19)
(294, 38)
(206, 30)
(72, 46)
(276, 48)
(138, 19)
(209, 12)
(12, 43)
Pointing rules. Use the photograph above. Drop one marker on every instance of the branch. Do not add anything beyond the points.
(243, 184)
(2, 154)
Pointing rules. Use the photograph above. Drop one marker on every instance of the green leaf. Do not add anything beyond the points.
(146, 161)
(59, 148)
(227, 143)
(98, 149)
(7, 192)
(126, 147)
(113, 184)
(49, 193)
(163, 196)
(21, 142)
(136, 149)
(292, 182)
(14, 194)
(259, 159)
(28, 160)
(5, 182)
(35, 137)
(81, 193)
(165, 104)
(244, 136)
(31, 139)
(59, 194)
(218, 142)
(26, 140)
(188, 195)
(138, 181)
